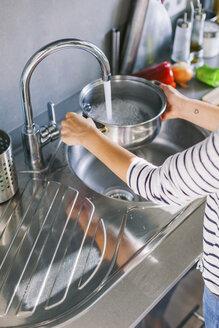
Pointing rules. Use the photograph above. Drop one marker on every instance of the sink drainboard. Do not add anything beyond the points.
(59, 254)
(52, 246)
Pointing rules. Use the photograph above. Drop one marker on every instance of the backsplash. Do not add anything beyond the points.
(28, 25)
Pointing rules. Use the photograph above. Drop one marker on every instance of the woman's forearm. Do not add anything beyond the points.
(116, 158)
(195, 111)
(201, 113)
(76, 130)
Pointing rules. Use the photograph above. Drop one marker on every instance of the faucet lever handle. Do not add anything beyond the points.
(49, 132)
(51, 113)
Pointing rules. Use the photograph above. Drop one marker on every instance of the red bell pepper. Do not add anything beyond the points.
(161, 72)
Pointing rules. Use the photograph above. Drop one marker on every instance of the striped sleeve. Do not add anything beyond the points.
(211, 244)
(183, 177)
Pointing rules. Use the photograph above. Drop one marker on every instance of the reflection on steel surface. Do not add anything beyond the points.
(60, 252)
(52, 246)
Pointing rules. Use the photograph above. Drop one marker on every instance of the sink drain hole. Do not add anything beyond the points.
(119, 193)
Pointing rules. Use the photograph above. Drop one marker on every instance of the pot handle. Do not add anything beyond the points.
(101, 127)
(156, 82)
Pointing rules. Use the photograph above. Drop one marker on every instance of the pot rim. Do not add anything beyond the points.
(97, 82)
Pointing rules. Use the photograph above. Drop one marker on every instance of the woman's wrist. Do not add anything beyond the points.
(90, 137)
(180, 107)
(200, 113)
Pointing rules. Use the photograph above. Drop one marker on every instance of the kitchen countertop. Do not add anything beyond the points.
(196, 88)
(141, 287)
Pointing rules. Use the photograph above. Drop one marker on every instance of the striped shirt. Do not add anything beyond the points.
(184, 177)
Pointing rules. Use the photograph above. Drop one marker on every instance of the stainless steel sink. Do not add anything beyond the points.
(68, 238)
(175, 136)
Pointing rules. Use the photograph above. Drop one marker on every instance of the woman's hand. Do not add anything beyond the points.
(193, 110)
(76, 129)
(174, 102)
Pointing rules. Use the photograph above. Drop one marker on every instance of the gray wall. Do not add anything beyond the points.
(27, 25)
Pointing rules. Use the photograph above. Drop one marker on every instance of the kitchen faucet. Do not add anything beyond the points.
(33, 136)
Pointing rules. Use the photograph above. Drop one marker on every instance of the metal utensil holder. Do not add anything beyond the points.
(8, 177)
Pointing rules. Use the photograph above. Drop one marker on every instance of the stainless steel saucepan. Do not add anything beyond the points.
(136, 108)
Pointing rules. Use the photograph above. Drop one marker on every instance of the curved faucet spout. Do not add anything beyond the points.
(34, 137)
(43, 53)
